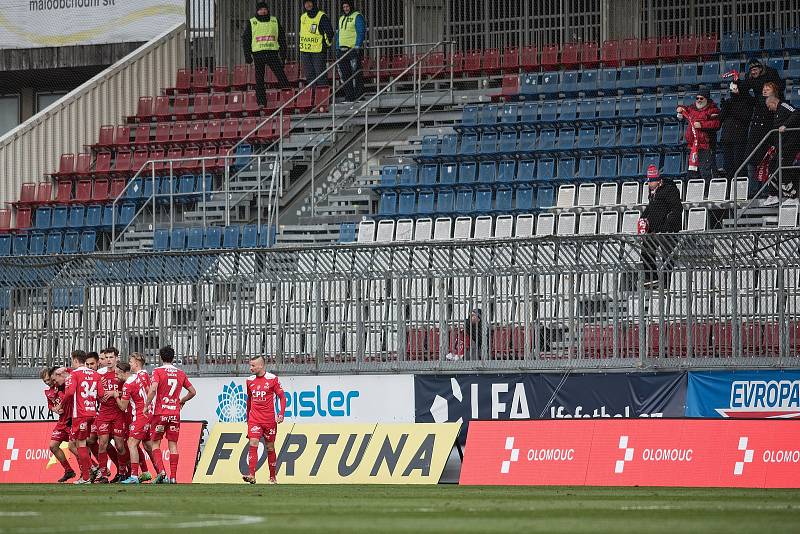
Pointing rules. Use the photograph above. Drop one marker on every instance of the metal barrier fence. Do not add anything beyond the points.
(600, 302)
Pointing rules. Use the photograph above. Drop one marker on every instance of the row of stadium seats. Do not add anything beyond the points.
(70, 242)
(222, 105)
(92, 216)
(214, 237)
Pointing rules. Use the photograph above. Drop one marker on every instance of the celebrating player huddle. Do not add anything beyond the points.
(115, 412)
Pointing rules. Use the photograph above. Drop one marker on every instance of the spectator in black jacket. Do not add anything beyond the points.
(786, 117)
(735, 115)
(664, 214)
(267, 49)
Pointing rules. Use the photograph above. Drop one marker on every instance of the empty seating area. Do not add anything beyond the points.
(214, 237)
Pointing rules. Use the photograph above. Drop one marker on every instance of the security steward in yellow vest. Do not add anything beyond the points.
(315, 37)
(350, 42)
(264, 44)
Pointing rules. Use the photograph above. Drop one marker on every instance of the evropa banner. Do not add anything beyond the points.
(744, 394)
(450, 398)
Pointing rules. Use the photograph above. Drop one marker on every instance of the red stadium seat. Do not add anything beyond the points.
(200, 80)
(709, 46)
(144, 109)
(163, 131)
(435, 65)
(63, 192)
(292, 71)
(123, 163)
(569, 55)
(510, 86)
(219, 81)
(122, 138)
(273, 101)
(44, 193)
(235, 104)
(239, 77)
(66, 168)
(213, 132)
(688, 48)
(102, 165)
(117, 186)
(472, 63)
(549, 57)
(196, 132)
(668, 49)
(285, 96)
(529, 59)
(191, 155)
(24, 215)
(140, 158)
(180, 132)
(597, 341)
(750, 335)
(217, 107)
(83, 192)
(83, 165)
(609, 53)
(251, 106)
(491, 61)
(648, 50)
(590, 54)
(401, 62)
(105, 139)
(510, 60)
(200, 107)
(182, 82)
(322, 97)
(181, 111)
(630, 52)
(157, 156)
(174, 154)
(27, 194)
(305, 100)
(100, 191)
(162, 110)
(458, 65)
(5, 220)
(141, 137)
(417, 344)
(251, 76)
(230, 131)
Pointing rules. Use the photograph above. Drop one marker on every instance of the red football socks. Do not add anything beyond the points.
(84, 461)
(252, 459)
(102, 460)
(158, 460)
(65, 464)
(173, 465)
(272, 461)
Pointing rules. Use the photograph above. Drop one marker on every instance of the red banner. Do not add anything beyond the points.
(26, 458)
(634, 452)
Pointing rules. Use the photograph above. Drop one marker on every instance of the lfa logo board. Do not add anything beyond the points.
(387, 453)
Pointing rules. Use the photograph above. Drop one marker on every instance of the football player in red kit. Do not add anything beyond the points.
(83, 391)
(54, 379)
(166, 386)
(132, 400)
(262, 423)
(111, 420)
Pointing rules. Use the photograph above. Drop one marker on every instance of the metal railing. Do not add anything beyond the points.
(699, 300)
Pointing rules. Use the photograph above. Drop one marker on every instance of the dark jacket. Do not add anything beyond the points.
(761, 121)
(753, 86)
(735, 114)
(788, 116)
(247, 39)
(664, 211)
(325, 27)
(475, 331)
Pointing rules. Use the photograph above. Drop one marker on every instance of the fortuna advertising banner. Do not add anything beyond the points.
(634, 452)
(53, 23)
(744, 394)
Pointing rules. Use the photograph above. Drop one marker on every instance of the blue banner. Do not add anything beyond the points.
(744, 394)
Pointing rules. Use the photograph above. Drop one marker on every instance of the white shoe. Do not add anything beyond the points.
(452, 357)
(791, 202)
(770, 201)
(81, 481)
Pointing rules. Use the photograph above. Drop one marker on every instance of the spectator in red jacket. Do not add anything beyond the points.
(701, 134)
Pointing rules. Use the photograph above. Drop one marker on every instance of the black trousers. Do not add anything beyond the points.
(655, 251)
(271, 59)
(706, 162)
(350, 70)
(734, 155)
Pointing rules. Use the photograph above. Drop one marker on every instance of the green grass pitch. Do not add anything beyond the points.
(280, 509)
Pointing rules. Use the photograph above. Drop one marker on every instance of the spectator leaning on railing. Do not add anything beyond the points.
(787, 117)
(703, 119)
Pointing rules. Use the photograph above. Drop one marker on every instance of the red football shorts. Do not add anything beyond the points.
(60, 433)
(140, 428)
(258, 430)
(115, 425)
(168, 426)
(81, 428)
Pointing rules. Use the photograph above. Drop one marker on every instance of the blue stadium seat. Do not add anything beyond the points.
(549, 111)
(167, 189)
(483, 201)
(587, 138)
(108, 218)
(5, 245)
(629, 165)
(507, 170)
(566, 139)
(77, 215)
(204, 183)
(149, 185)
(649, 135)
(37, 243)
(608, 81)
(20, 247)
(408, 203)
(587, 168)
(425, 203)
(529, 113)
(671, 134)
(488, 144)
(628, 136)
(729, 44)
(546, 169)
(569, 82)
(54, 240)
(751, 42)
(430, 146)
(608, 167)
(60, 217)
(607, 109)
(569, 110)
(648, 106)
(777, 64)
(509, 114)
(627, 79)
(230, 238)
(545, 196)
(161, 239)
(449, 175)
(347, 234)
(464, 201)
(469, 145)
(733, 64)
(647, 77)
(793, 70)
(669, 103)
(88, 241)
(388, 204)
(186, 188)
(566, 168)
(267, 236)
(710, 74)
(529, 84)
(608, 137)
(504, 199)
(178, 238)
(43, 216)
(526, 171)
(547, 140)
(527, 141)
(773, 41)
(668, 77)
(588, 83)
(508, 143)
(94, 216)
(627, 107)
(487, 115)
(449, 146)
(71, 242)
(550, 83)
(673, 162)
(467, 173)
(134, 190)
(250, 234)
(408, 175)
(523, 199)
(212, 238)
(469, 117)
(243, 152)
(487, 172)
(791, 39)
(429, 171)
(688, 74)
(651, 159)
(587, 109)
(445, 202)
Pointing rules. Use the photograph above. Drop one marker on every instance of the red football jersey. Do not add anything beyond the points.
(135, 391)
(83, 392)
(261, 391)
(52, 396)
(109, 407)
(171, 382)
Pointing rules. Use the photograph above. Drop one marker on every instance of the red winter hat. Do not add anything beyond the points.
(652, 173)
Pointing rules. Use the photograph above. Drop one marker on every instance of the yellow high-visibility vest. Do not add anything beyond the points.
(310, 35)
(265, 35)
(347, 30)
